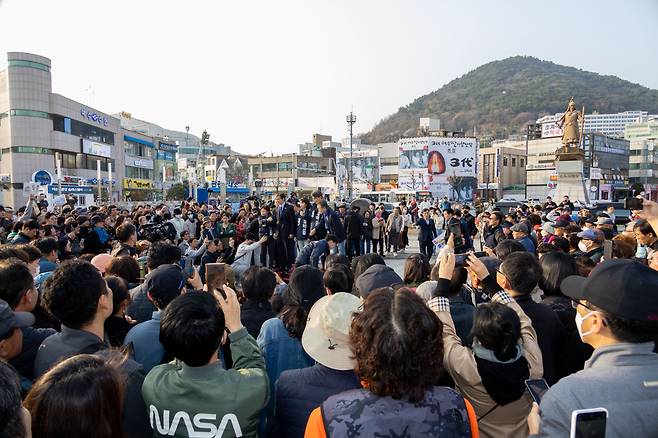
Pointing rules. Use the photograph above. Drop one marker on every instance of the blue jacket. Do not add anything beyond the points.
(303, 224)
(46, 265)
(427, 229)
(145, 339)
(281, 351)
(527, 244)
(334, 225)
(298, 392)
(312, 253)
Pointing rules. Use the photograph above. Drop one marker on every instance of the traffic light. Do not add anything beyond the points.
(205, 137)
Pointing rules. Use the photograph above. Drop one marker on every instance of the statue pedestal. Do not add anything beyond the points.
(571, 180)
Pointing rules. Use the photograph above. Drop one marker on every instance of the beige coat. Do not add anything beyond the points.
(395, 223)
(509, 421)
(378, 228)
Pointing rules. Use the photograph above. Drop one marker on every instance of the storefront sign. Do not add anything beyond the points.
(94, 117)
(134, 183)
(145, 163)
(43, 177)
(77, 190)
(167, 147)
(94, 148)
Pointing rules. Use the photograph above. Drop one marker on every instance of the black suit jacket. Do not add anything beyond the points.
(426, 229)
(285, 220)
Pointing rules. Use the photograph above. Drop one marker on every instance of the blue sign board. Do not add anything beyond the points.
(94, 117)
(42, 177)
(167, 147)
(77, 190)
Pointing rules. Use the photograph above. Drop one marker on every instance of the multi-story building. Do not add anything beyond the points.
(389, 160)
(502, 170)
(643, 169)
(611, 125)
(292, 172)
(605, 167)
(37, 126)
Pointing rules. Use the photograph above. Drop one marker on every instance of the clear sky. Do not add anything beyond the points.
(264, 75)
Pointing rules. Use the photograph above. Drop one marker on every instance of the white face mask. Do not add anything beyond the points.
(582, 246)
(579, 325)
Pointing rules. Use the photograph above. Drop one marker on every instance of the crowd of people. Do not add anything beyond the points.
(109, 326)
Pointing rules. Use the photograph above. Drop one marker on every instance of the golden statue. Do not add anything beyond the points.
(571, 131)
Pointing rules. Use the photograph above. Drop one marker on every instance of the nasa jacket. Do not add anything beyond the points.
(185, 401)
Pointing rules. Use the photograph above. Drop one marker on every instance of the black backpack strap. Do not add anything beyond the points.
(488, 412)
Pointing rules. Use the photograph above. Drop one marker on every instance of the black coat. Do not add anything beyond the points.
(299, 392)
(354, 225)
(285, 220)
(254, 313)
(93, 244)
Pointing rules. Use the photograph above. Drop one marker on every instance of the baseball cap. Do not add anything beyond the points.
(588, 234)
(326, 337)
(561, 224)
(521, 227)
(602, 220)
(165, 280)
(621, 287)
(548, 227)
(102, 261)
(9, 320)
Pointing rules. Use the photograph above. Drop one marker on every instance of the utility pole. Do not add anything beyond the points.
(351, 120)
(525, 185)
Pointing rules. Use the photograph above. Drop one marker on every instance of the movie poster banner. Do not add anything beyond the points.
(365, 166)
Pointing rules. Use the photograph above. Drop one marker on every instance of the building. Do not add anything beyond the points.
(389, 160)
(611, 125)
(643, 167)
(292, 172)
(502, 170)
(188, 144)
(37, 126)
(605, 167)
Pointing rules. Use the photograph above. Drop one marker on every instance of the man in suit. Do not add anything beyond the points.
(426, 234)
(333, 225)
(285, 232)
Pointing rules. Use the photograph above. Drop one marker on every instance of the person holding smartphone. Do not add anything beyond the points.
(617, 314)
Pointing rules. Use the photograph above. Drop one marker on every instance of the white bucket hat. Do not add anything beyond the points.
(326, 337)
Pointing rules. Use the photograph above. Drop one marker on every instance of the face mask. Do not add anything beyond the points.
(582, 246)
(579, 325)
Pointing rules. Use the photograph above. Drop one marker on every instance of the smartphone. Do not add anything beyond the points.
(537, 388)
(607, 250)
(216, 277)
(456, 230)
(142, 267)
(634, 204)
(588, 423)
(460, 259)
(186, 266)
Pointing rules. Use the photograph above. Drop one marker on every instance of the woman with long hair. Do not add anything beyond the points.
(79, 397)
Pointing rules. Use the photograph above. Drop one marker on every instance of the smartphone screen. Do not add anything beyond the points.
(607, 249)
(186, 266)
(537, 388)
(590, 424)
(634, 204)
(216, 277)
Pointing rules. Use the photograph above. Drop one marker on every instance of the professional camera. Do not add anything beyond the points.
(160, 231)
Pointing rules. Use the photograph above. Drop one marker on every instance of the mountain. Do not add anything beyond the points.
(502, 97)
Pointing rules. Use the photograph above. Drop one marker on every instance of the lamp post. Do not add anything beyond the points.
(351, 120)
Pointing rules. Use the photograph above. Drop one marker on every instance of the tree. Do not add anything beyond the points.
(176, 192)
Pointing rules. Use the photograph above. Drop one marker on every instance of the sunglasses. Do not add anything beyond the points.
(575, 304)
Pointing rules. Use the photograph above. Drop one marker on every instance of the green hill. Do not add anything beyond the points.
(501, 97)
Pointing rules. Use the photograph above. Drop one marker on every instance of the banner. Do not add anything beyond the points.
(452, 156)
(134, 183)
(365, 166)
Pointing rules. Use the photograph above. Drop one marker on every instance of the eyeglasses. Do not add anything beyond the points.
(576, 303)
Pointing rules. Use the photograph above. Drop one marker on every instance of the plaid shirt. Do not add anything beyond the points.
(442, 304)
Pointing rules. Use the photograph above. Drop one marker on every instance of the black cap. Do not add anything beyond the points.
(560, 223)
(9, 320)
(624, 288)
(165, 280)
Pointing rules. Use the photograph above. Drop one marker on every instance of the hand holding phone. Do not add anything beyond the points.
(537, 388)
(216, 277)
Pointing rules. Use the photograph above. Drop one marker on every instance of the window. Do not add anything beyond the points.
(138, 172)
(522, 162)
(80, 129)
(513, 162)
(164, 155)
(136, 149)
(269, 167)
(285, 166)
(30, 64)
(505, 161)
(68, 160)
(29, 113)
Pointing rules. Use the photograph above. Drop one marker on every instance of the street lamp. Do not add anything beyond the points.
(351, 120)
